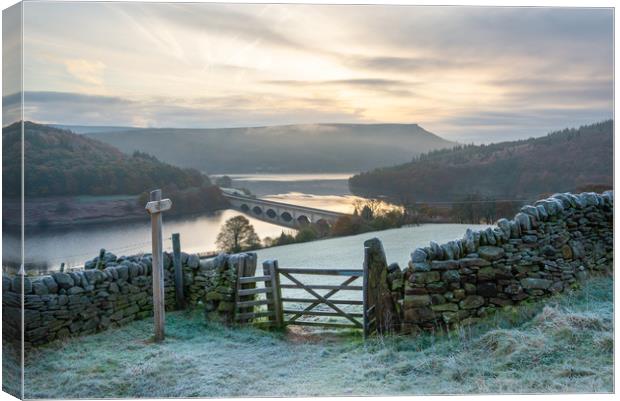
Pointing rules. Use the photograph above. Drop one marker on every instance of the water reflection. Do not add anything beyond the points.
(51, 247)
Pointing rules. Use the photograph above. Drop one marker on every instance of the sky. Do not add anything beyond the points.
(470, 74)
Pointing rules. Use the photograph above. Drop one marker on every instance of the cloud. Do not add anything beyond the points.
(406, 64)
(205, 112)
(252, 23)
(391, 87)
(89, 72)
(11, 108)
(458, 71)
(68, 97)
(584, 92)
(505, 125)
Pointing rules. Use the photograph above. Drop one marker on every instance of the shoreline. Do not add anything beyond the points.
(43, 214)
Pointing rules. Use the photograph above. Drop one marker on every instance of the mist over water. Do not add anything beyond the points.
(310, 184)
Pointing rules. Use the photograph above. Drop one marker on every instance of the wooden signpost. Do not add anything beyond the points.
(155, 207)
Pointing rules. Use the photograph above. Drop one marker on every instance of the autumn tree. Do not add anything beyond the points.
(237, 235)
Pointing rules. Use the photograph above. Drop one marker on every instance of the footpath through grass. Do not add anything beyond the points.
(562, 345)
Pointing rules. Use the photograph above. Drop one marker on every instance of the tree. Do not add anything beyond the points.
(237, 235)
(306, 234)
(285, 239)
(347, 225)
(367, 213)
(224, 181)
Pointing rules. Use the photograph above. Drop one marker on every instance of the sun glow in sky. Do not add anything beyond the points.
(466, 73)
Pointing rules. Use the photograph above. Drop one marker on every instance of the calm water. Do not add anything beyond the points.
(198, 233)
(74, 246)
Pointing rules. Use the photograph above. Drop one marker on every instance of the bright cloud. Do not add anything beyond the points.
(89, 72)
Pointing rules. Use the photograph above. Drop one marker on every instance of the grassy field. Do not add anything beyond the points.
(563, 345)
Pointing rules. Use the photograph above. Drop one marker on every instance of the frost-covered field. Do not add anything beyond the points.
(565, 345)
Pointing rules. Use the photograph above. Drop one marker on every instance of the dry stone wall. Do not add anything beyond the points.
(111, 292)
(546, 248)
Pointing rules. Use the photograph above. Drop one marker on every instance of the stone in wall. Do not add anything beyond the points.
(219, 285)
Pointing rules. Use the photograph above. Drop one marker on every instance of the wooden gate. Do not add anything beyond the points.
(281, 311)
(379, 312)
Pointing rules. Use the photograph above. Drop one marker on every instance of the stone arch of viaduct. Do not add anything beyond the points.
(284, 214)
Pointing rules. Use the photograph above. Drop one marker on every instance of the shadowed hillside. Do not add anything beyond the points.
(567, 160)
(290, 148)
(61, 163)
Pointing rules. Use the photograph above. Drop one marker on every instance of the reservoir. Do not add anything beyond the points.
(48, 248)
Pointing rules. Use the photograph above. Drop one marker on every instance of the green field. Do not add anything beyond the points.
(563, 345)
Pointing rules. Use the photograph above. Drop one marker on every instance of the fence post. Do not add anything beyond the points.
(378, 292)
(365, 297)
(269, 294)
(178, 271)
(277, 294)
(275, 305)
(237, 263)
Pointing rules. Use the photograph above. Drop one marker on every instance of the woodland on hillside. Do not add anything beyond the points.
(60, 166)
(568, 160)
(61, 163)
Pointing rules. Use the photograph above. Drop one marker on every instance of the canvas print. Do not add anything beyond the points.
(279, 200)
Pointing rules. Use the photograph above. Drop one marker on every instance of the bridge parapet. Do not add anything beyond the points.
(280, 213)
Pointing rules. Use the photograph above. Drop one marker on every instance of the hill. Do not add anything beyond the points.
(568, 160)
(88, 129)
(61, 163)
(290, 148)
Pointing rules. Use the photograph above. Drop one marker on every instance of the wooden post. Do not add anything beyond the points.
(240, 266)
(178, 271)
(155, 207)
(365, 297)
(378, 295)
(247, 268)
(268, 294)
(277, 294)
(270, 268)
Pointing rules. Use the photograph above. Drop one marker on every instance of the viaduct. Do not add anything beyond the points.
(283, 214)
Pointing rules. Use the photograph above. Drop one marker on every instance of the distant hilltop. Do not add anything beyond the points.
(286, 148)
(578, 159)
